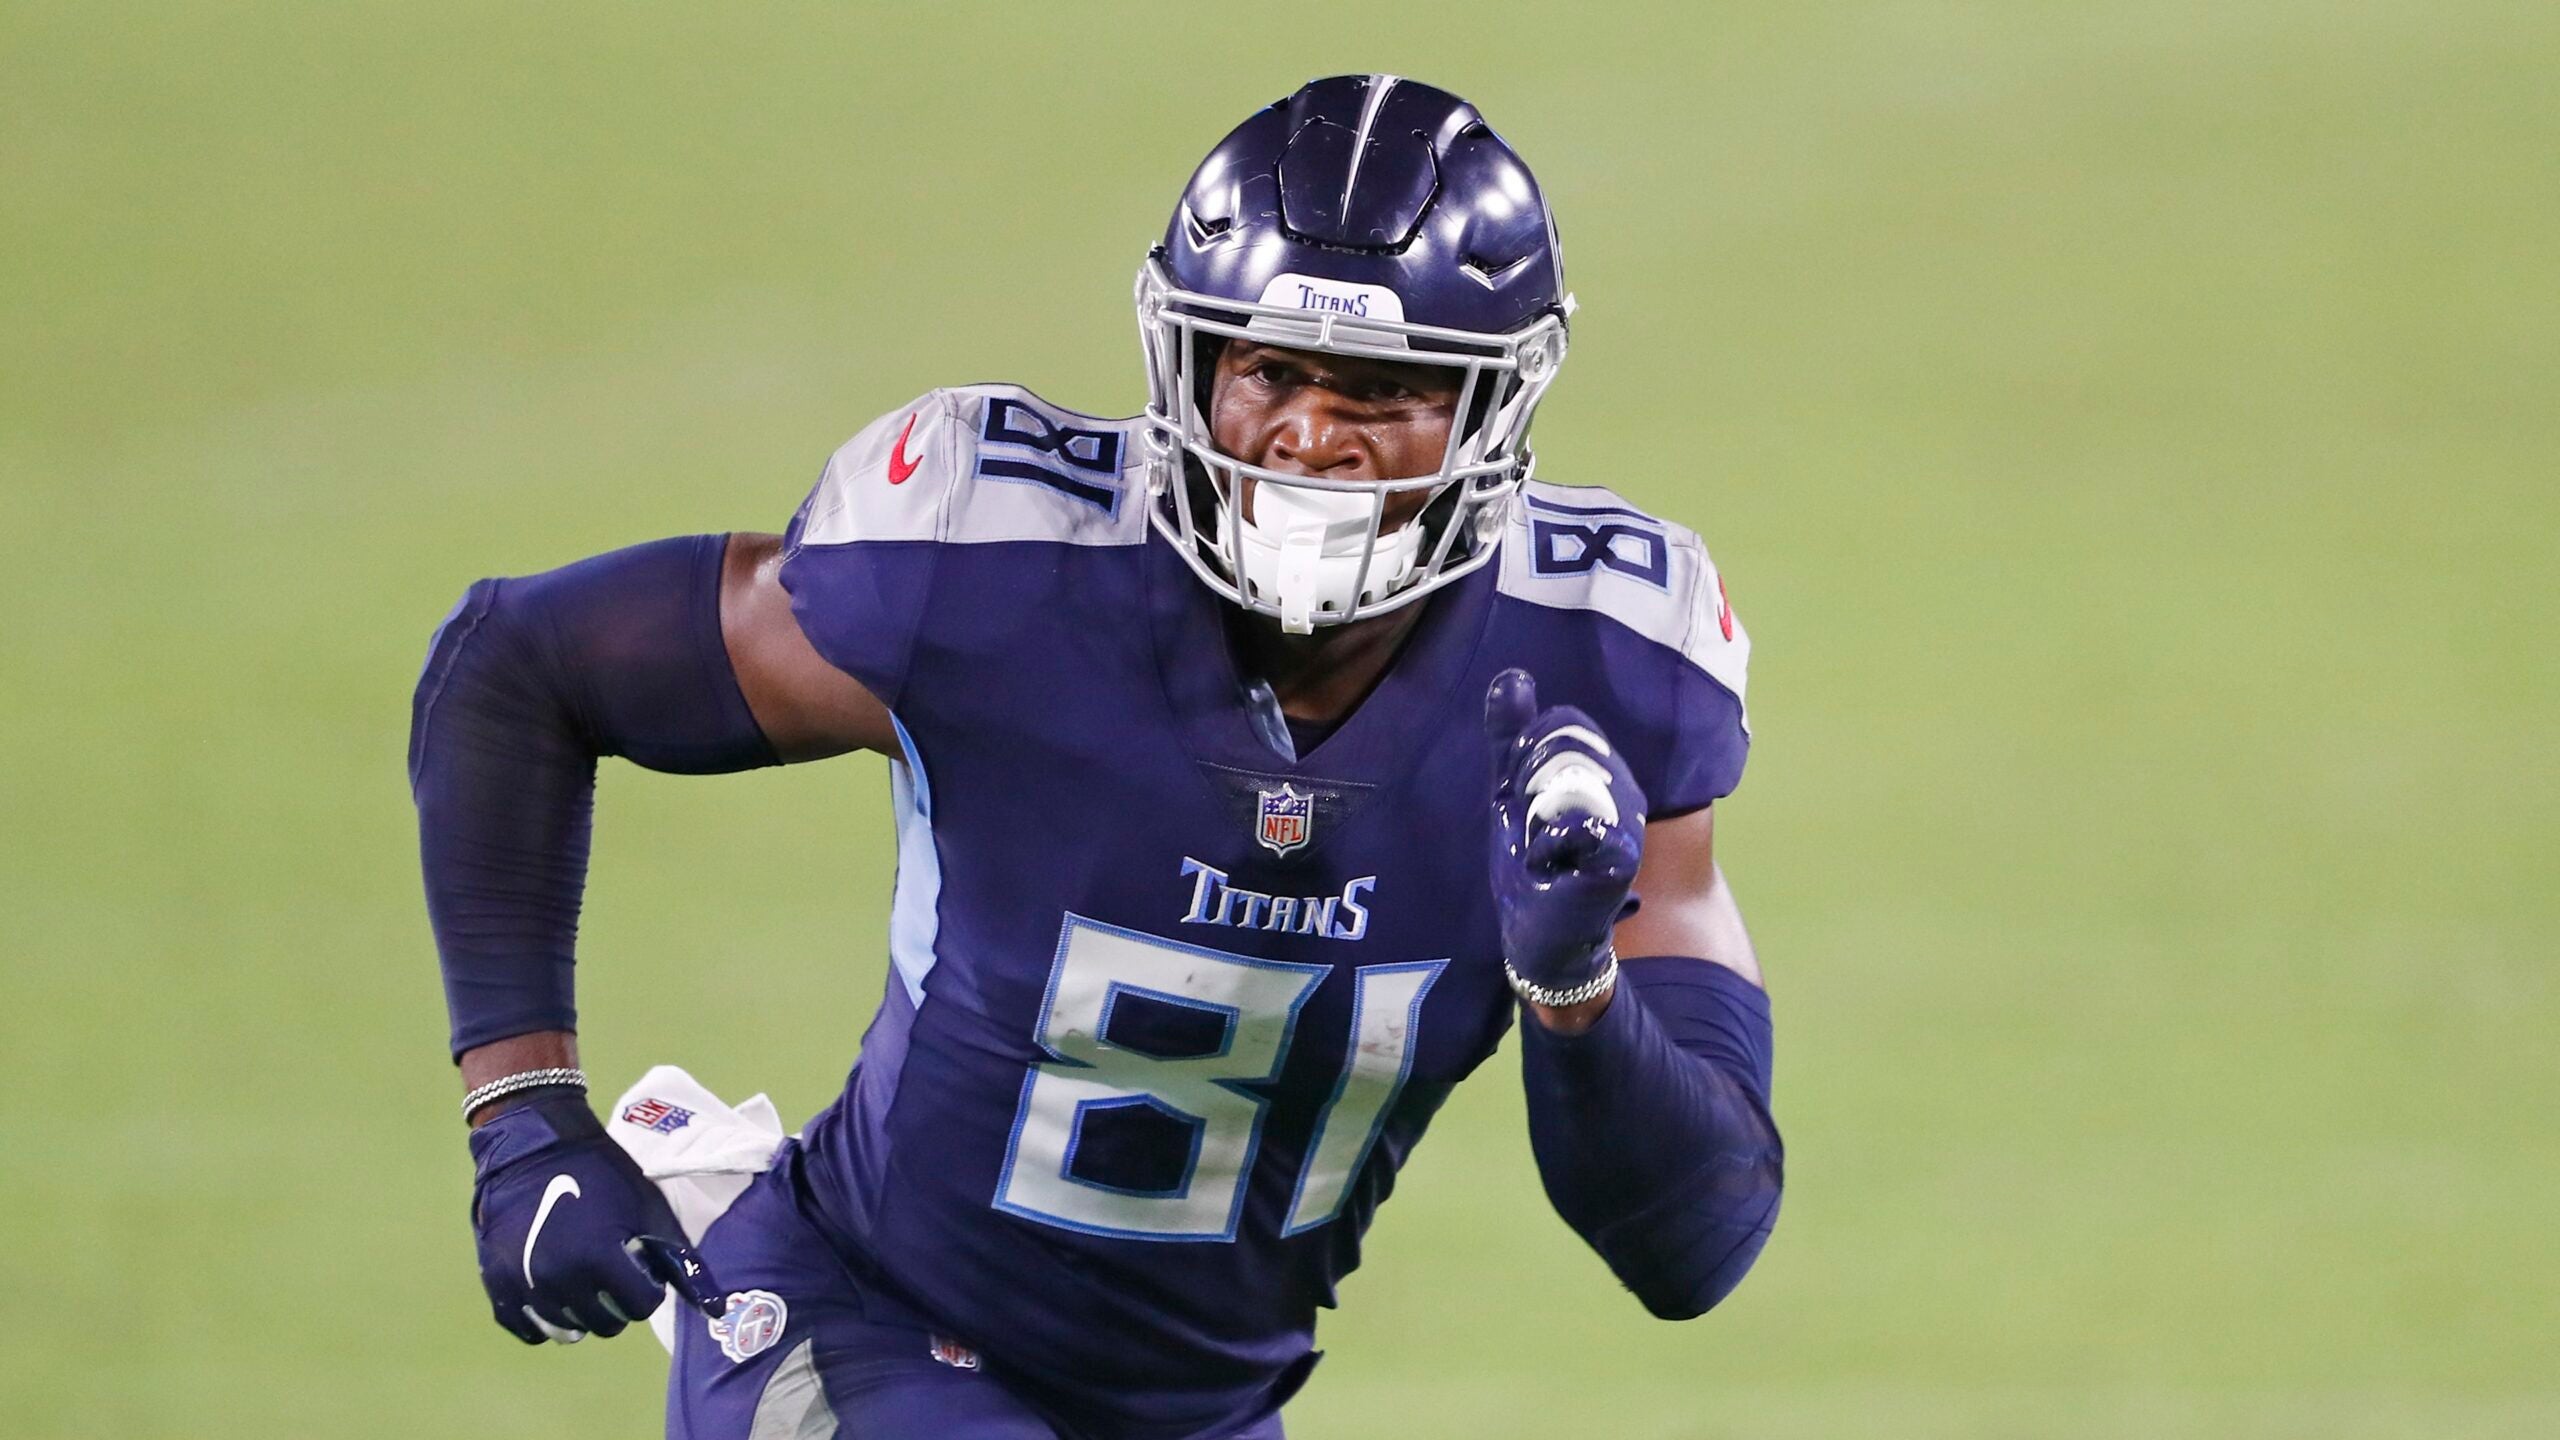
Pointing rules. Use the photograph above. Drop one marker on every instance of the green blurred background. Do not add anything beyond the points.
(2128, 429)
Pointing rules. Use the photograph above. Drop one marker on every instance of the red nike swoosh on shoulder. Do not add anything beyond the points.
(900, 467)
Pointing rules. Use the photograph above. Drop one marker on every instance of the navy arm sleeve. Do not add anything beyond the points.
(1653, 1134)
(527, 682)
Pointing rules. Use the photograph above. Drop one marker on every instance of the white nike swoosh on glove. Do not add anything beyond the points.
(560, 1185)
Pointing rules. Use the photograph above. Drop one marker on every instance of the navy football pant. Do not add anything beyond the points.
(845, 1363)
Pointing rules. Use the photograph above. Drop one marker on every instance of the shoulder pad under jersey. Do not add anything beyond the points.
(980, 463)
(974, 465)
(1587, 548)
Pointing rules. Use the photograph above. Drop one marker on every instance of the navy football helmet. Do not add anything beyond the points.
(1368, 216)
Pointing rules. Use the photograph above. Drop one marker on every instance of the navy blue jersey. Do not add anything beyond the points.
(1169, 1007)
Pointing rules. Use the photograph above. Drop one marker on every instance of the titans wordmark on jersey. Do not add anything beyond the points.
(1169, 1008)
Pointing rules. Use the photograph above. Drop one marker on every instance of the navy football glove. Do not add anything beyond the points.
(573, 1238)
(1568, 831)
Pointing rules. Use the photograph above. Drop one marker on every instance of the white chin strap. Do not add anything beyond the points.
(1302, 551)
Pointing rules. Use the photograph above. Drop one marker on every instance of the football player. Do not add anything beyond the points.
(1258, 761)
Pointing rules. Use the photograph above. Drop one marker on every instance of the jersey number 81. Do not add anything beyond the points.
(1253, 1005)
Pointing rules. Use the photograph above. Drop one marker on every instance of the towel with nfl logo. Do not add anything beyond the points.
(701, 1150)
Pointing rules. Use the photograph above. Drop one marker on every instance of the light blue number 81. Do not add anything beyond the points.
(1259, 1000)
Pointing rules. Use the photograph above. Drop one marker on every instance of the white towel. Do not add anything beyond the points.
(701, 1150)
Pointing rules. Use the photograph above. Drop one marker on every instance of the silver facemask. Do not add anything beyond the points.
(1315, 552)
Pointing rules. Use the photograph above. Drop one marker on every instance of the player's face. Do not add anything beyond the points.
(1334, 417)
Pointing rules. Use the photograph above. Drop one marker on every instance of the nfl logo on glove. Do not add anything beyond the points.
(1285, 819)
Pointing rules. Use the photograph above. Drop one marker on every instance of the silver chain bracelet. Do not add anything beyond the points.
(506, 1085)
(1591, 989)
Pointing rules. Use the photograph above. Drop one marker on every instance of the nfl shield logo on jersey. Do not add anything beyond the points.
(1284, 819)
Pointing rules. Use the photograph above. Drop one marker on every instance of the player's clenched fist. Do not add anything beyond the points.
(1568, 829)
(574, 1239)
